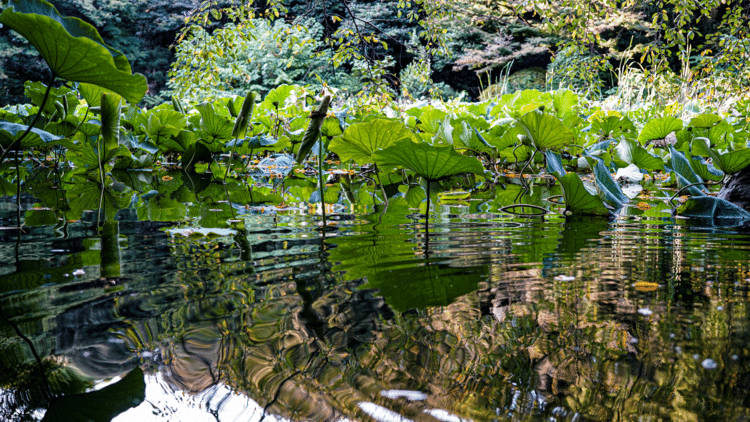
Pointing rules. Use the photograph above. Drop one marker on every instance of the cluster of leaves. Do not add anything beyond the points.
(356, 47)
(372, 155)
(255, 55)
(414, 147)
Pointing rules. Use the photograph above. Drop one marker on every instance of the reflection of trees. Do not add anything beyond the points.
(311, 344)
(522, 343)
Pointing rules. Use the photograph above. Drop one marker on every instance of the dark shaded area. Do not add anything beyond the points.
(737, 190)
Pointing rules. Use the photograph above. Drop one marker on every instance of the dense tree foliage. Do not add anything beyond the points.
(412, 48)
(142, 29)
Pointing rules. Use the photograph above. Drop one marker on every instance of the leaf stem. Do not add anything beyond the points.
(382, 189)
(671, 200)
(321, 183)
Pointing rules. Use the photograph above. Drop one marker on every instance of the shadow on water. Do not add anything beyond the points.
(237, 314)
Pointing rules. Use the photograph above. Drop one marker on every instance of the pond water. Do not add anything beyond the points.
(212, 311)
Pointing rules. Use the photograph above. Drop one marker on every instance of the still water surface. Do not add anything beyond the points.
(487, 317)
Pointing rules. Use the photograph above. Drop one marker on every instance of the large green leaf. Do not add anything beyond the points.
(629, 152)
(244, 116)
(213, 126)
(704, 120)
(729, 163)
(545, 131)
(110, 113)
(92, 93)
(705, 170)
(467, 136)
(577, 199)
(733, 162)
(554, 164)
(164, 124)
(686, 176)
(72, 48)
(612, 124)
(564, 101)
(608, 188)
(331, 127)
(9, 132)
(276, 98)
(360, 140)
(430, 162)
(713, 208)
(431, 120)
(659, 128)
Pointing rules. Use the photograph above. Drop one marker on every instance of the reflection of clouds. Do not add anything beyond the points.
(407, 394)
(444, 415)
(382, 414)
(163, 403)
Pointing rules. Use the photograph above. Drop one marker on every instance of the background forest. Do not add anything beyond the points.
(658, 50)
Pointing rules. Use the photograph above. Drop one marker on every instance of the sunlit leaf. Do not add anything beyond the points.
(659, 128)
(111, 105)
(730, 163)
(545, 131)
(629, 152)
(430, 162)
(213, 126)
(564, 101)
(360, 140)
(704, 120)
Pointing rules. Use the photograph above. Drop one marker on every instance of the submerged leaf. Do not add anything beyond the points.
(100, 405)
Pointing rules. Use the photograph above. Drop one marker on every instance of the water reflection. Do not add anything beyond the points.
(488, 318)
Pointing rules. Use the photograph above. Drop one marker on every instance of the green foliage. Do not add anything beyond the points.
(73, 49)
(430, 162)
(255, 55)
(575, 67)
(361, 140)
